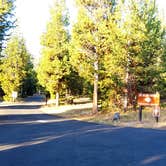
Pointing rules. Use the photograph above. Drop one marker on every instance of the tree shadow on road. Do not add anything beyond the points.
(21, 106)
(44, 140)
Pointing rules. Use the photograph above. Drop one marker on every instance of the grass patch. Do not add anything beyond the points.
(76, 113)
(129, 118)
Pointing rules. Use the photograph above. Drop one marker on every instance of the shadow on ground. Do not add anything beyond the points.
(18, 107)
(43, 140)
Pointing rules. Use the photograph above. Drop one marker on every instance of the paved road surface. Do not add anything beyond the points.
(30, 138)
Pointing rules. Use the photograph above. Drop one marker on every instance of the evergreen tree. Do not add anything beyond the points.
(118, 47)
(53, 67)
(162, 81)
(29, 82)
(6, 20)
(14, 68)
(77, 85)
(93, 39)
(145, 47)
(152, 50)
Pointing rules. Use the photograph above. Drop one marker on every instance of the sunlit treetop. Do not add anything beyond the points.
(6, 6)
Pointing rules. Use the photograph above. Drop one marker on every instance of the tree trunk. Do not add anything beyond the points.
(126, 92)
(95, 90)
(57, 99)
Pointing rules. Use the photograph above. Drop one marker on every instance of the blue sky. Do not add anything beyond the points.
(34, 14)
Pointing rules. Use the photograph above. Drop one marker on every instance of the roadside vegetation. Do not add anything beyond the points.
(114, 50)
(128, 119)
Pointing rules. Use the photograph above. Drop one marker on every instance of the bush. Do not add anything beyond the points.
(69, 100)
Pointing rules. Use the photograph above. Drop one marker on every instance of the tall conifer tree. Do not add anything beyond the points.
(53, 65)
(6, 20)
(14, 67)
(93, 39)
(145, 37)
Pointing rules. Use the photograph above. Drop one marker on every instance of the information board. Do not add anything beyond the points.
(145, 99)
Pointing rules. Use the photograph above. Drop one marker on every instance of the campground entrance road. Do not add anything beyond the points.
(29, 137)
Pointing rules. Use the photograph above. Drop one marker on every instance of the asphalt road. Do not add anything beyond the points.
(29, 137)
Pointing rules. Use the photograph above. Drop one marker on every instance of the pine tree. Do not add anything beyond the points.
(29, 82)
(6, 20)
(53, 67)
(145, 47)
(14, 66)
(93, 39)
(152, 49)
(118, 47)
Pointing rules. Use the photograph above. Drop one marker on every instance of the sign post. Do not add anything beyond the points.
(140, 113)
(145, 99)
(14, 95)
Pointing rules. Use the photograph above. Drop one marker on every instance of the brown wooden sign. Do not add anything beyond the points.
(145, 99)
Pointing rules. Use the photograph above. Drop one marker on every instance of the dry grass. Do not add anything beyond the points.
(129, 119)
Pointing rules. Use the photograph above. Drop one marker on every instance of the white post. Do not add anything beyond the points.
(57, 99)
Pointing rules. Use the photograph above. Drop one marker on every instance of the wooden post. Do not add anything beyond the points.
(140, 113)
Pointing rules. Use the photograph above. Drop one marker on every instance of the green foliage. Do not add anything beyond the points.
(96, 38)
(15, 67)
(54, 64)
(5, 6)
(6, 21)
(117, 47)
(77, 85)
(29, 85)
(145, 46)
(126, 38)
